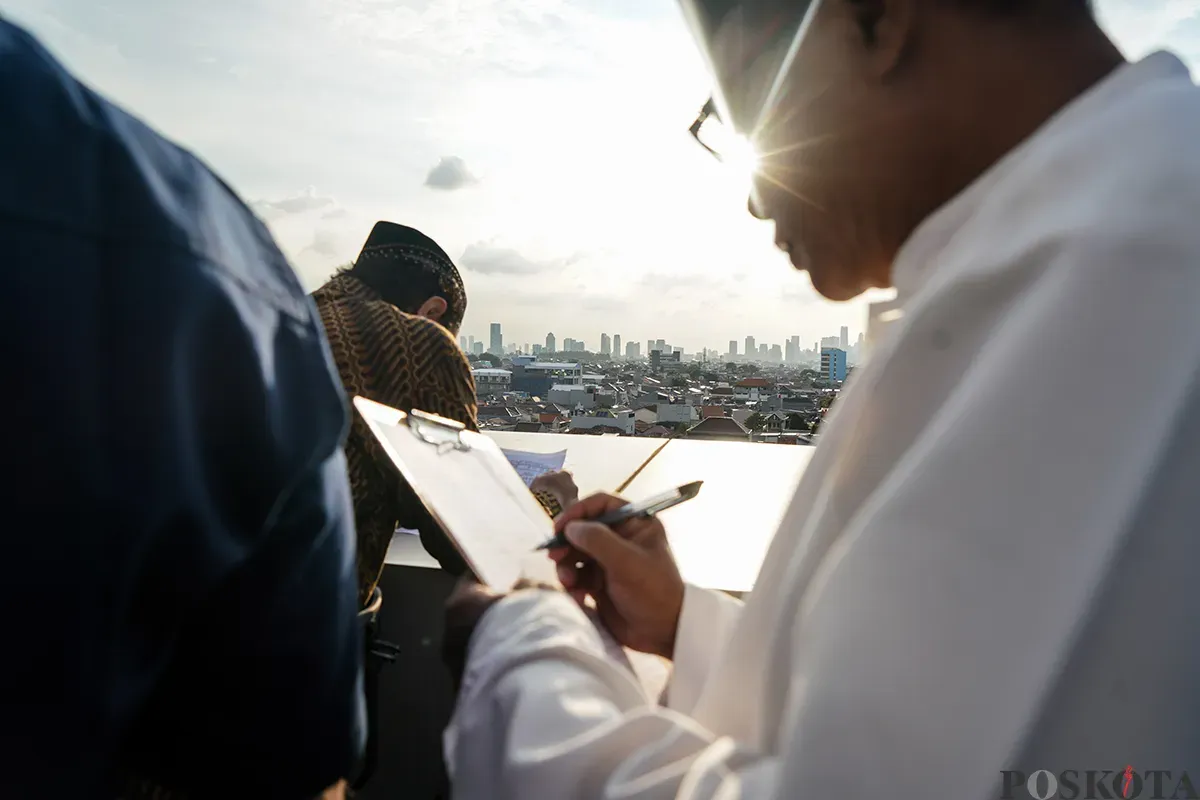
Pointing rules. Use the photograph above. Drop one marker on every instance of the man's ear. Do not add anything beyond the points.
(888, 28)
(434, 308)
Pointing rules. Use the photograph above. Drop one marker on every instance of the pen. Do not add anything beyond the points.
(646, 508)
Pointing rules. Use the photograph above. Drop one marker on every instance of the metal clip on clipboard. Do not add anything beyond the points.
(444, 434)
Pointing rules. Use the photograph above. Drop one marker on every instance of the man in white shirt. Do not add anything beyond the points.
(982, 588)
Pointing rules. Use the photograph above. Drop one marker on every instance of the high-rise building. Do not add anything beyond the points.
(580, 347)
(790, 355)
(537, 350)
(616, 351)
(462, 344)
(831, 341)
(550, 343)
(833, 364)
(733, 347)
(845, 343)
(762, 351)
(796, 348)
(477, 349)
(776, 353)
(751, 349)
(568, 345)
(633, 350)
(470, 344)
(497, 345)
(605, 345)
(661, 346)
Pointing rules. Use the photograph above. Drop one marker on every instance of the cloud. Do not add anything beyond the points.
(301, 203)
(488, 258)
(450, 174)
(325, 243)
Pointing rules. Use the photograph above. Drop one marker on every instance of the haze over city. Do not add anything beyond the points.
(543, 143)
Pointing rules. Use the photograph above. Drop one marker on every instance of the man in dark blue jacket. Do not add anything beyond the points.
(178, 594)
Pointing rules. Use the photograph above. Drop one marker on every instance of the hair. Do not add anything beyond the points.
(407, 268)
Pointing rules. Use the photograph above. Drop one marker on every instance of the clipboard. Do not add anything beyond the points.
(470, 490)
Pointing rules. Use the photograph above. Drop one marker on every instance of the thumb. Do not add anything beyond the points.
(601, 543)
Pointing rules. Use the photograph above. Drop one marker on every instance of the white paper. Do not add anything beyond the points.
(531, 465)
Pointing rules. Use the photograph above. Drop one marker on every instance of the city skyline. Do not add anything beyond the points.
(785, 351)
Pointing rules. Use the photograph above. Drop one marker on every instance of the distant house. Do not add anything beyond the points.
(598, 430)
(713, 411)
(775, 421)
(619, 419)
(498, 414)
(529, 427)
(719, 428)
(657, 432)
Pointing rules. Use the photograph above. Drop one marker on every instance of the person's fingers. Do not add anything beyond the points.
(560, 554)
(601, 543)
(588, 508)
(568, 576)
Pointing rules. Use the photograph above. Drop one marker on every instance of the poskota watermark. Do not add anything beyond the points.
(1126, 783)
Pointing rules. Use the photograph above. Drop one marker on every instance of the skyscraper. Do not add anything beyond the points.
(649, 347)
(616, 351)
(845, 337)
(776, 353)
(733, 347)
(762, 351)
(790, 354)
(550, 343)
(751, 350)
(568, 345)
(605, 345)
(462, 343)
(661, 346)
(497, 347)
(470, 344)
(477, 349)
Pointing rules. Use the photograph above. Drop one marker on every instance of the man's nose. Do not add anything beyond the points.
(753, 207)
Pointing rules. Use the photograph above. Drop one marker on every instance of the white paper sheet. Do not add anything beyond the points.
(531, 465)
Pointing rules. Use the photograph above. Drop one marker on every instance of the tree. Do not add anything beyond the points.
(756, 422)
(679, 383)
(730, 367)
(487, 358)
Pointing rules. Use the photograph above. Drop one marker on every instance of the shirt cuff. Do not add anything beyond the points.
(705, 624)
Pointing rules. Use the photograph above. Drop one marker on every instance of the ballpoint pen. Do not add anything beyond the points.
(646, 508)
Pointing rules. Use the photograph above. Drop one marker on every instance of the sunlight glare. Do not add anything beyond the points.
(741, 160)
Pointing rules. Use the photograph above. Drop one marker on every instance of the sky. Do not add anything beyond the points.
(542, 143)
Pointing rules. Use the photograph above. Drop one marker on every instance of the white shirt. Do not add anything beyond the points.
(988, 563)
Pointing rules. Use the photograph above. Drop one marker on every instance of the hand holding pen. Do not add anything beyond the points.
(628, 570)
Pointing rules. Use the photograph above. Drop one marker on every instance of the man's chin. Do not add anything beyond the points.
(832, 284)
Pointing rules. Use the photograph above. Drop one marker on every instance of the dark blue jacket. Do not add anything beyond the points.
(178, 593)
